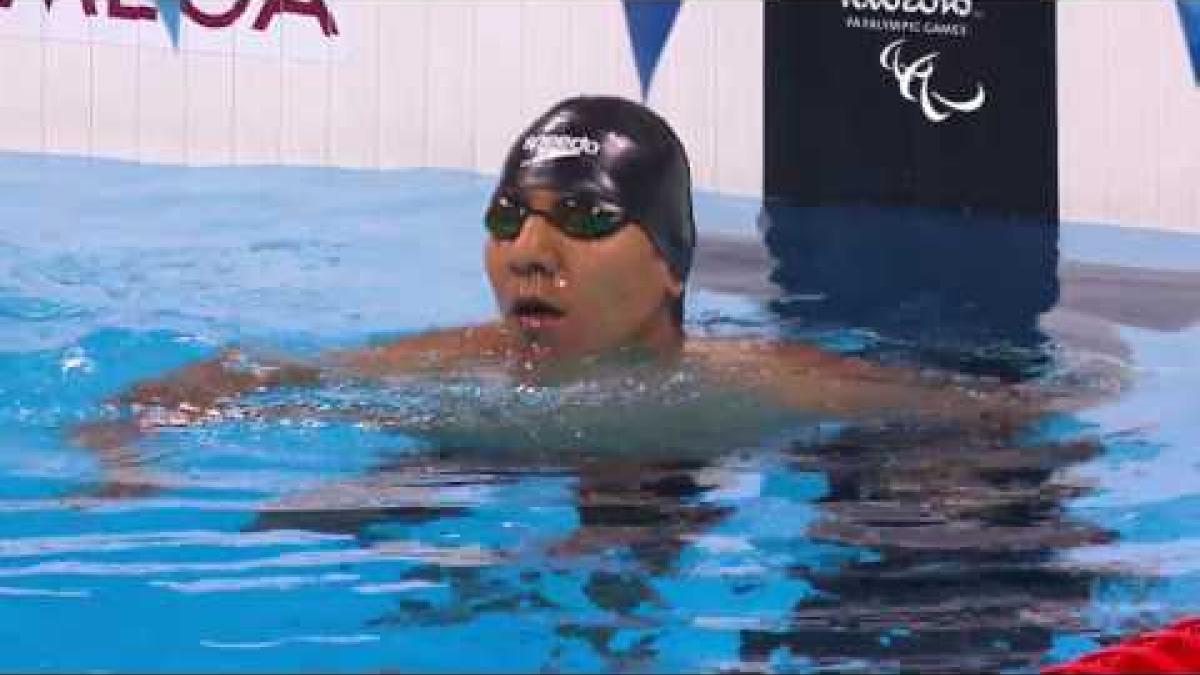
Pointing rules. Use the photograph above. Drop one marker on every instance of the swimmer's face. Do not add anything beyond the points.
(570, 296)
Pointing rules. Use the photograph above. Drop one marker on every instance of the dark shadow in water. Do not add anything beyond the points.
(966, 533)
(962, 533)
(947, 288)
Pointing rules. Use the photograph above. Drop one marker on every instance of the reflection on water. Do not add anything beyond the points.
(964, 533)
(957, 289)
(897, 548)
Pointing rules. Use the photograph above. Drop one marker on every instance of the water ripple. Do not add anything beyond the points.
(272, 583)
(392, 551)
(107, 543)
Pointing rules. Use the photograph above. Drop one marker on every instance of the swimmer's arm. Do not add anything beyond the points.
(196, 392)
(431, 352)
(198, 388)
(186, 396)
(810, 379)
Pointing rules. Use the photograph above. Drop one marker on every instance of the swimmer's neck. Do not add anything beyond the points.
(536, 365)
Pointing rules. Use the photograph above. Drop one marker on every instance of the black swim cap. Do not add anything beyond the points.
(618, 151)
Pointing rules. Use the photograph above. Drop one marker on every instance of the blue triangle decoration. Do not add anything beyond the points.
(1189, 13)
(168, 13)
(649, 23)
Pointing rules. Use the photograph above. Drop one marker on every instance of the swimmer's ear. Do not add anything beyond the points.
(672, 283)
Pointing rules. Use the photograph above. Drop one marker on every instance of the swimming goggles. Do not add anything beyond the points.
(578, 217)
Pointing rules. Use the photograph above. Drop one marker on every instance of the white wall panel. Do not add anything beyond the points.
(161, 103)
(353, 87)
(545, 64)
(257, 110)
(1133, 91)
(68, 22)
(450, 88)
(67, 96)
(67, 80)
(403, 38)
(738, 98)
(257, 94)
(498, 116)
(304, 126)
(195, 39)
(22, 20)
(209, 105)
(208, 92)
(114, 32)
(601, 56)
(251, 43)
(1085, 108)
(21, 103)
(153, 34)
(1129, 142)
(305, 94)
(114, 90)
(684, 86)
(1178, 179)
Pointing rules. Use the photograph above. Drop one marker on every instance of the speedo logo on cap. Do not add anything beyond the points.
(549, 147)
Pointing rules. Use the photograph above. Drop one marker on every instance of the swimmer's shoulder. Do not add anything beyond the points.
(772, 354)
(433, 350)
(807, 377)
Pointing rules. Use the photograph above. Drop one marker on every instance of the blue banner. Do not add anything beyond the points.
(168, 13)
(1189, 13)
(649, 23)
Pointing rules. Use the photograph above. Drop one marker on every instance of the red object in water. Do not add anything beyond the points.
(1174, 649)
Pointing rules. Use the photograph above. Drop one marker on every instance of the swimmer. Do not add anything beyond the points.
(590, 236)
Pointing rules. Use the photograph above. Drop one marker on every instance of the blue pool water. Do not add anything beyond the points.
(317, 543)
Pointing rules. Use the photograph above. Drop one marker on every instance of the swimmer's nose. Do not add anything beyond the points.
(535, 251)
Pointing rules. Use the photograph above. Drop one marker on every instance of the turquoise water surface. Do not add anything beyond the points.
(328, 543)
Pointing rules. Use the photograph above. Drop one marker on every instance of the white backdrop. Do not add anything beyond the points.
(404, 83)
(1129, 115)
(449, 83)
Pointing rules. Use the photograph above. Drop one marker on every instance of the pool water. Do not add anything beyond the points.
(676, 534)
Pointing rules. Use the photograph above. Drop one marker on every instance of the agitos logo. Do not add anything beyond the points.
(919, 72)
(213, 15)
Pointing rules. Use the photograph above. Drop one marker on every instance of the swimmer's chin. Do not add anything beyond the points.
(542, 347)
(551, 346)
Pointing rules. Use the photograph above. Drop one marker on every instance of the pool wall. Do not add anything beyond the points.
(440, 84)
(1129, 114)
(393, 83)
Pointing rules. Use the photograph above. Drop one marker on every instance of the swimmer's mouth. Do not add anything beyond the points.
(535, 312)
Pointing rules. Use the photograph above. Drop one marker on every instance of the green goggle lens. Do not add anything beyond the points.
(589, 223)
(504, 222)
(505, 218)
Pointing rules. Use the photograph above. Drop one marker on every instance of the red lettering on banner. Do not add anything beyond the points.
(135, 12)
(89, 6)
(313, 8)
(147, 10)
(222, 20)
